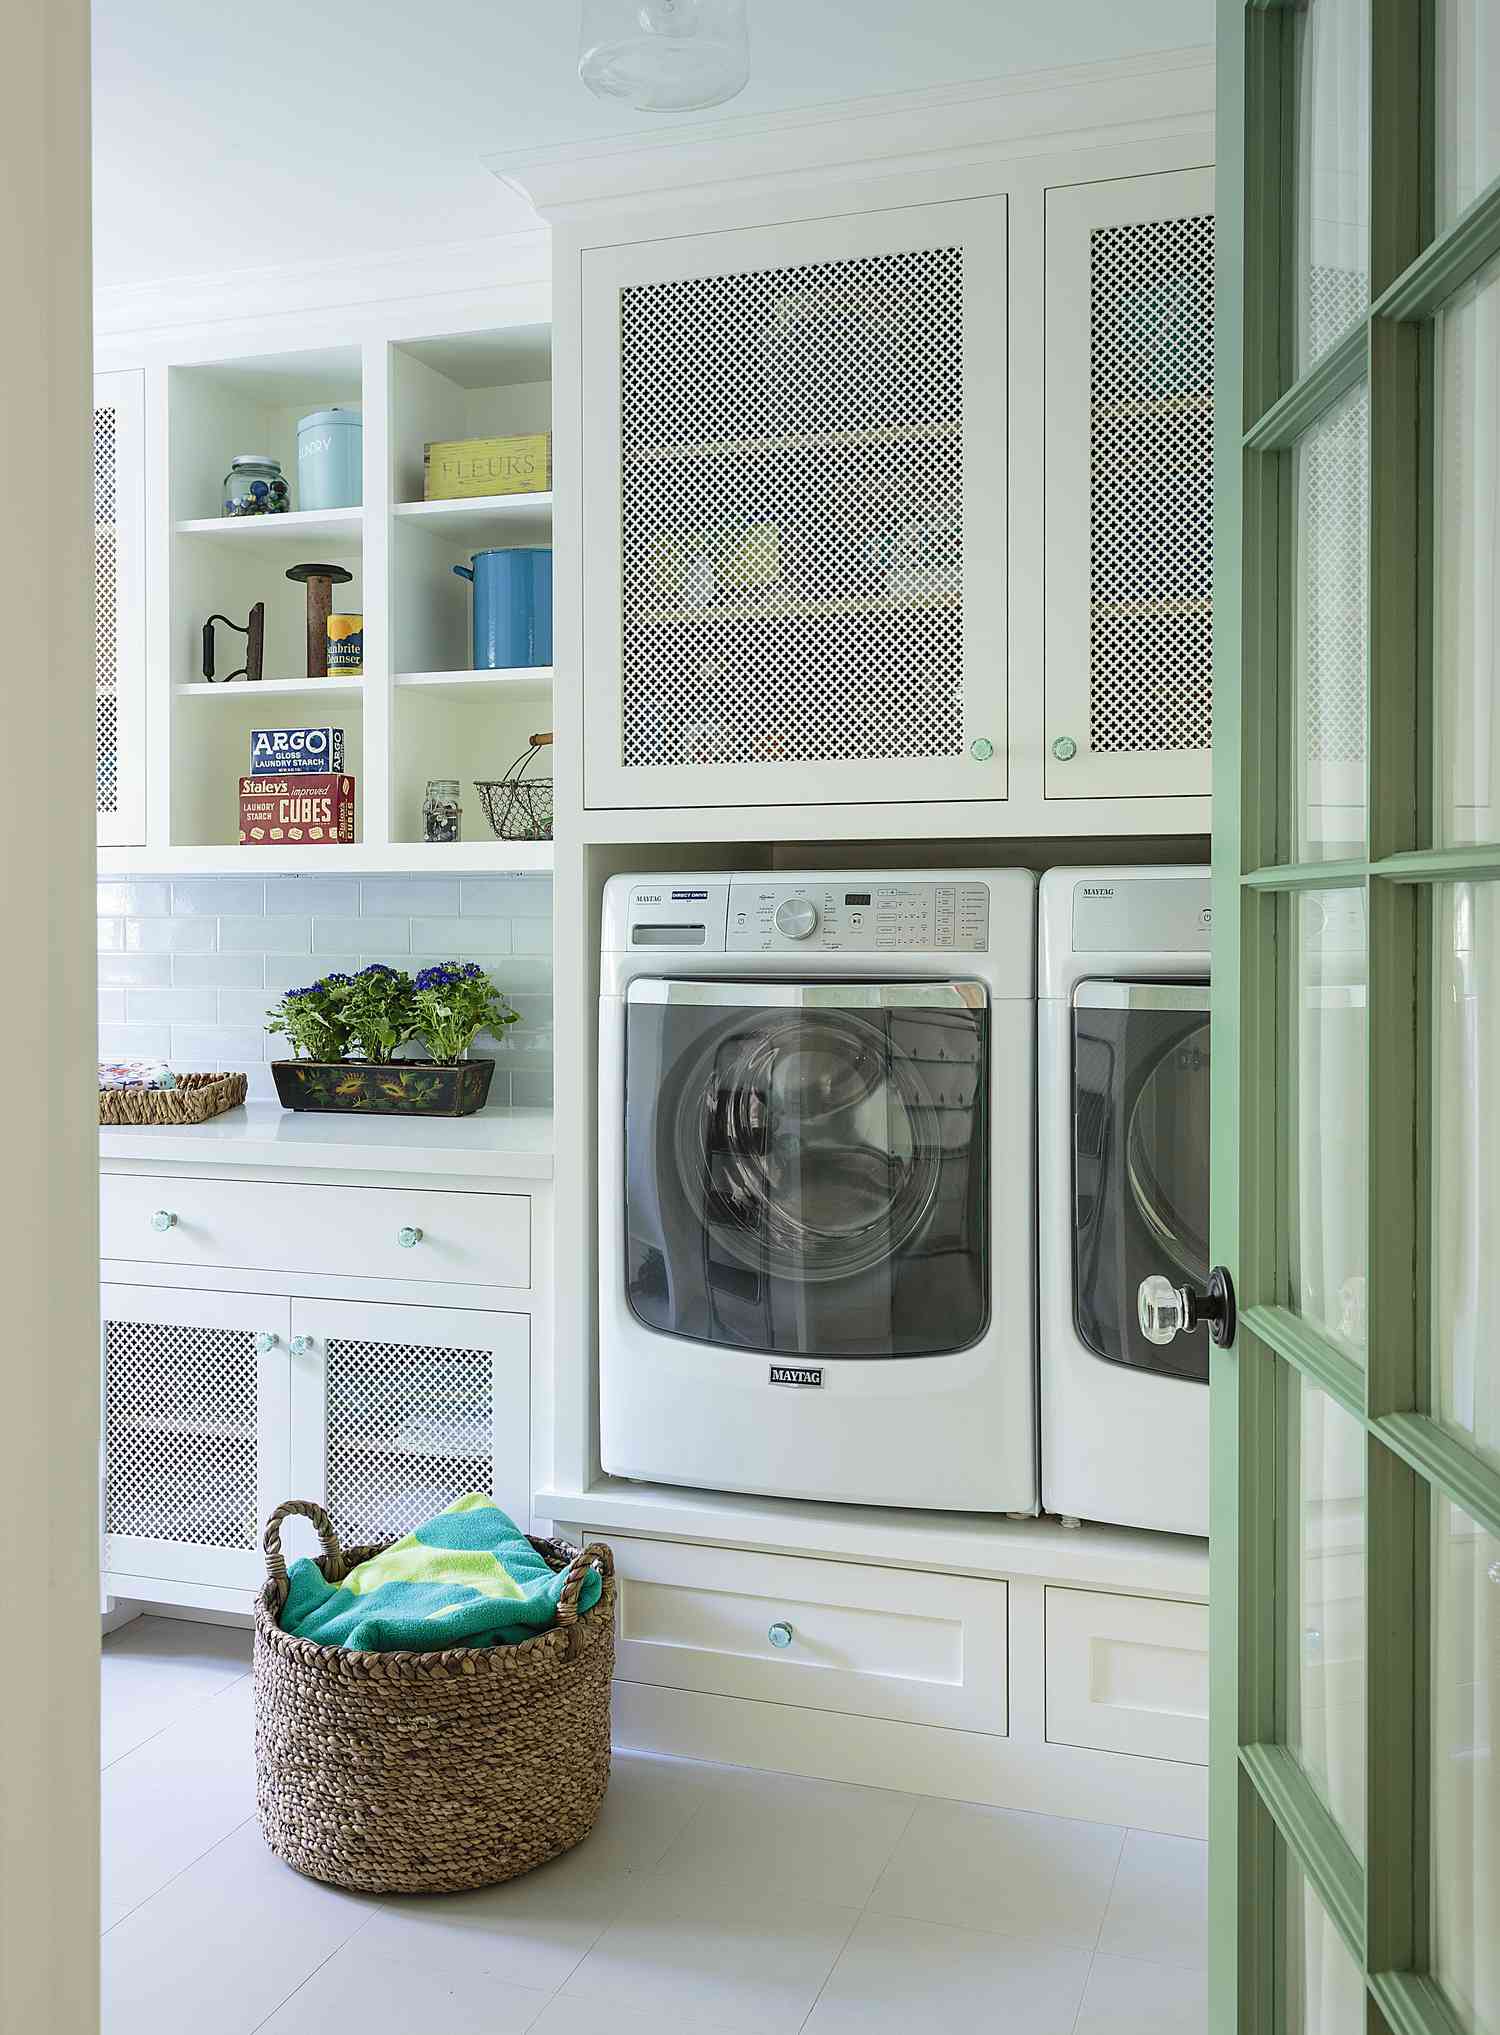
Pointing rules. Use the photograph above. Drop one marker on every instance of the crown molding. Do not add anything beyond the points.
(452, 268)
(948, 126)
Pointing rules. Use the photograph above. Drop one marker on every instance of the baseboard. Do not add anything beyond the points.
(1007, 1773)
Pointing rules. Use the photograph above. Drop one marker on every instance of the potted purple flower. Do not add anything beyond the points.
(346, 1031)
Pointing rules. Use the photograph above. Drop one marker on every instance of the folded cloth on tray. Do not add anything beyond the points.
(469, 1577)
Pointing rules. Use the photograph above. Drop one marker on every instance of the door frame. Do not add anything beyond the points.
(1262, 1805)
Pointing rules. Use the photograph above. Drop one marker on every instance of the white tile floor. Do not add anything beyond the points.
(709, 1901)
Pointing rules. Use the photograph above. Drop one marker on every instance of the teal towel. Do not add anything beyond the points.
(470, 1577)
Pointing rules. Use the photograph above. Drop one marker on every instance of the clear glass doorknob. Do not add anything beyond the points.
(780, 1634)
(408, 1237)
(1164, 1310)
(300, 1345)
(265, 1342)
(164, 1219)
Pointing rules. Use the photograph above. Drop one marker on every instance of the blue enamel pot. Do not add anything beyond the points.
(512, 606)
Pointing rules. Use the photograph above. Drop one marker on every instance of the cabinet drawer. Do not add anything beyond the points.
(923, 1649)
(354, 1232)
(1128, 1674)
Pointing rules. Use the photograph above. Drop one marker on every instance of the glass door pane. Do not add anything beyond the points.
(1466, 1163)
(1327, 1240)
(1466, 1766)
(1323, 1992)
(1333, 172)
(1467, 539)
(1325, 1695)
(1468, 103)
(1330, 641)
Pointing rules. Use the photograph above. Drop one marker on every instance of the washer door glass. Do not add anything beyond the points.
(1140, 1162)
(807, 1175)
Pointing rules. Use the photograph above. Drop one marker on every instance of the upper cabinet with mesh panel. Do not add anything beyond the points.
(119, 609)
(1129, 487)
(795, 513)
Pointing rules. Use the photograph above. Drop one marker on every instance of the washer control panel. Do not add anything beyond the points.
(839, 917)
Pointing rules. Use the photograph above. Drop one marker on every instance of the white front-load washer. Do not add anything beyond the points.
(1123, 1120)
(817, 1200)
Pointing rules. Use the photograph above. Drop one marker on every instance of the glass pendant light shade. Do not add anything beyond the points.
(664, 56)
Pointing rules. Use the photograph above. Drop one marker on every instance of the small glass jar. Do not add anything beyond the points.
(255, 486)
(442, 815)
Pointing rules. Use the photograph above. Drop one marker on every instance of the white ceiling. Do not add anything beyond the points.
(243, 137)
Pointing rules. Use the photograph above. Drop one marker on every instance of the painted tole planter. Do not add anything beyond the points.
(390, 1088)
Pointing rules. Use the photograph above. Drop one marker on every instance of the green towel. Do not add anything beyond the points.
(470, 1577)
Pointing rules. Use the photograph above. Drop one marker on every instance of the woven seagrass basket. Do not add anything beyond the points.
(427, 1773)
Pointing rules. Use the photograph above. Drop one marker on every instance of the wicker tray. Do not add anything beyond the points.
(195, 1099)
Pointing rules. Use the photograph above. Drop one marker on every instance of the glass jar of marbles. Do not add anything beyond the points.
(442, 815)
(255, 486)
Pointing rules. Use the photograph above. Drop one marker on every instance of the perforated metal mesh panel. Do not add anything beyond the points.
(792, 513)
(1151, 485)
(180, 1433)
(106, 594)
(408, 1431)
(1332, 470)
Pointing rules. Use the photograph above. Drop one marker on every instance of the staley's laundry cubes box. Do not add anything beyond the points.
(296, 807)
(283, 752)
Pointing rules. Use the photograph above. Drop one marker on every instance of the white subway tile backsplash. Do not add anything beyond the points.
(149, 899)
(170, 936)
(136, 971)
(405, 896)
(457, 939)
(265, 935)
(172, 1006)
(229, 1045)
(286, 896)
(189, 968)
(218, 971)
(389, 938)
(216, 895)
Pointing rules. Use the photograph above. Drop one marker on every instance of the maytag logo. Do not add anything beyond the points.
(797, 1374)
(1097, 889)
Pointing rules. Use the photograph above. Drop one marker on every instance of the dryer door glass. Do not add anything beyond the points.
(806, 1165)
(1140, 1162)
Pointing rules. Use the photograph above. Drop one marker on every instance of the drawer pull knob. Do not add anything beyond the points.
(300, 1345)
(164, 1219)
(780, 1634)
(265, 1342)
(408, 1237)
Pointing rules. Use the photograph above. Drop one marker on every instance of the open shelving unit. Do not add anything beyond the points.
(418, 710)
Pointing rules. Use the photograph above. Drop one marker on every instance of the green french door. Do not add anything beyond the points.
(1356, 1594)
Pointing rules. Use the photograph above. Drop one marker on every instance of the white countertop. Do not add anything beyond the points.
(504, 1144)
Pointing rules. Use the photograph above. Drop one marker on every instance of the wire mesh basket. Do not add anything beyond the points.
(519, 808)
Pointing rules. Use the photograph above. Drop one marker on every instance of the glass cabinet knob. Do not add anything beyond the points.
(300, 1345)
(1065, 748)
(164, 1219)
(265, 1342)
(408, 1237)
(780, 1634)
(1164, 1310)
(982, 749)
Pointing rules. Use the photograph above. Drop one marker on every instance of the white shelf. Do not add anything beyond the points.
(516, 685)
(481, 520)
(296, 525)
(272, 688)
(357, 858)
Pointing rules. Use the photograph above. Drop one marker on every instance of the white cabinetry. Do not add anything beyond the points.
(1129, 487)
(120, 608)
(794, 512)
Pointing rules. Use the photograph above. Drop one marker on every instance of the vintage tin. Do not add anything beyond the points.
(296, 811)
(330, 460)
(346, 646)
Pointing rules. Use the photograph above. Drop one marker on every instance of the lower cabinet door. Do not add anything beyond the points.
(1128, 1674)
(195, 1432)
(397, 1411)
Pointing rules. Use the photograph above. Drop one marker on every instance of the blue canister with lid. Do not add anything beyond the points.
(512, 606)
(330, 460)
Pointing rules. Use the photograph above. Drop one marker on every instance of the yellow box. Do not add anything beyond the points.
(464, 467)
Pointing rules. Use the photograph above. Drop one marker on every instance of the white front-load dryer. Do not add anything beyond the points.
(817, 1205)
(1123, 1067)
